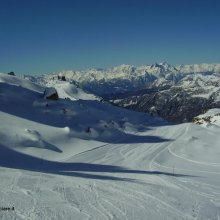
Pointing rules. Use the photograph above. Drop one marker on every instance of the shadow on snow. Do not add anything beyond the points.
(16, 160)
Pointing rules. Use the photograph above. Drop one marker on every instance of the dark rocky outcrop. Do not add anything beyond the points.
(51, 93)
(63, 78)
(11, 73)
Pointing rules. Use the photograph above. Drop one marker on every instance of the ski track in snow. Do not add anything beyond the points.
(104, 207)
(134, 175)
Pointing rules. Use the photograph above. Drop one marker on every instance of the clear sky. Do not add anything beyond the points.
(41, 36)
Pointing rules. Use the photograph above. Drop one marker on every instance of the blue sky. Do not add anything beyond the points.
(42, 36)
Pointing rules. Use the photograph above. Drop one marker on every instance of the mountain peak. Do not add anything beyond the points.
(162, 68)
(165, 64)
(124, 68)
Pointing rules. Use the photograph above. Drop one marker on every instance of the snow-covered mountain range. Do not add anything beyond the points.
(175, 93)
(66, 154)
(127, 78)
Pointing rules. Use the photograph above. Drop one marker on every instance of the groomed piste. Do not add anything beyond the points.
(81, 158)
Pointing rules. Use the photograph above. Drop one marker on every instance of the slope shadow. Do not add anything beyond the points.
(41, 144)
(16, 160)
(126, 138)
(20, 102)
(26, 110)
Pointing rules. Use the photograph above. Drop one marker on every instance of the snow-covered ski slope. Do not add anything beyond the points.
(84, 159)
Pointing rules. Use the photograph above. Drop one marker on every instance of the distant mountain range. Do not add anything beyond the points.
(176, 93)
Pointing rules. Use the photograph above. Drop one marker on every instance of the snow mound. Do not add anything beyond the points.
(67, 90)
(18, 81)
(211, 117)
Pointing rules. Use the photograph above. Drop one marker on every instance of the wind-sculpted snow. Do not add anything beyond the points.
(85, 159)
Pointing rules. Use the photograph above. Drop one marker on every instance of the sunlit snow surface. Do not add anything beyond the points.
(78, 158)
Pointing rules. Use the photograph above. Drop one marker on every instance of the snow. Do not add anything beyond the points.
(128, 78)
(210, 118)
(128, 166)
(198, 68)
(17, 81)
(67, 90)
(129, 72)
